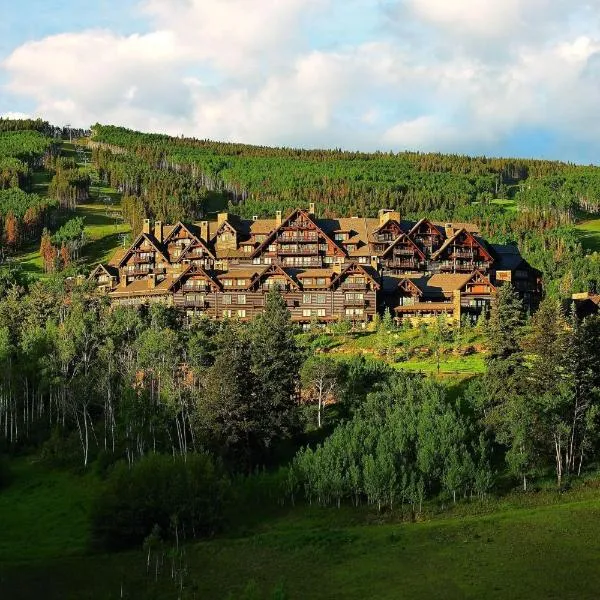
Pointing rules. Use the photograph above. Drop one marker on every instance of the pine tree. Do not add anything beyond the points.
(275, 365)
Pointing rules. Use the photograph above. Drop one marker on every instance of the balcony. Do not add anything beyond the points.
(138, 260)
(355, 302)
(354, 286)
(403, 264)
(190, 303)
(298, 238)
(196, 288)
(138, 271)
(303, 250)
(311, 262)
(403, 252)
(456, 253)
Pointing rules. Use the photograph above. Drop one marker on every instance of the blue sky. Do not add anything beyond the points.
(518, 77)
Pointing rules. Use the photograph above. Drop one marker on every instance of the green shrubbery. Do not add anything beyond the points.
(5, 472)
(183, 496)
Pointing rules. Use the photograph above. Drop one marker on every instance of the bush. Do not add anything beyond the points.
(5, 472)
(184, 498)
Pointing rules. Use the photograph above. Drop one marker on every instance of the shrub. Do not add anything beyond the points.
(184, 498)
(5, 472)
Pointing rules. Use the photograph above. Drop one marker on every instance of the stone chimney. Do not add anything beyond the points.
(278, 218)
(146, 227)
(449, 229)
(158, 231)
(204, 231)
(221, 218)
(386, 214)
(151, 280)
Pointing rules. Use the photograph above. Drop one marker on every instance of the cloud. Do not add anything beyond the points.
(433, 75)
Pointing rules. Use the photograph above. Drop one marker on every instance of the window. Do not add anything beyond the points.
(227, 313)
(248, 249)
(241, 313)
(306, 298)
(241, 299)
(241, 282)
(363, 260)
(196, 298)
(256, 261)
(340, 237)
(320, 280)
(267, 260)
(226, 298)
(308, 281)
(321, 298)
(227, 282)
(354, 312)
(272, 247)
(314, 312)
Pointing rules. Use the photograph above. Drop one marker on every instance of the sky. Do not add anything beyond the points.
(493, 77)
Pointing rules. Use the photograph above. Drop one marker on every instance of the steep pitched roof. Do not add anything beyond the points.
(422, 221)
(108, 269)
(403, 238)
(285, 222)
(354, 268)
(198, 270)
(276, 270)
(452, 238)
(150, 239)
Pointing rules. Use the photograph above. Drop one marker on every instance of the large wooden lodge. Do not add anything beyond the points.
(326, 269)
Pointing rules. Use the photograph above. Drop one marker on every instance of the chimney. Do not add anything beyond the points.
(221, 218)
(278, 218)
(158, 231)
(337, 267)
(255, 217)
(449, 229)
(204, 230)
(151, 280)
(146, 227)
(311, 209)
(384, 216)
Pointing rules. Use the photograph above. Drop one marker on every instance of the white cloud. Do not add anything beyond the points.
(235, 70)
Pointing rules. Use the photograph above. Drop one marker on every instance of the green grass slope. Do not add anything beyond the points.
(590, 234)
(543, 545)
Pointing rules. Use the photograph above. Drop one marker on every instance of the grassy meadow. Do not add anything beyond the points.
(589, 231)
(540, 545)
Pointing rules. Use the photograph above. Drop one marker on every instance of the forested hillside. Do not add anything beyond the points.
(533, 203)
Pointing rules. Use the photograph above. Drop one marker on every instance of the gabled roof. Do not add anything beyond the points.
(143, 236)
(108, 269)
(451, 239)
(276, 270)
(198, 270)
(422, 222)
(410, 283)
(285, 222)
(197, 241)
(387, 224)
(354, 268)
(401, 238)
(482, 276)
(191, 229)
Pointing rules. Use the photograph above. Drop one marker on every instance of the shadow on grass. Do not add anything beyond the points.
(101, 250)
